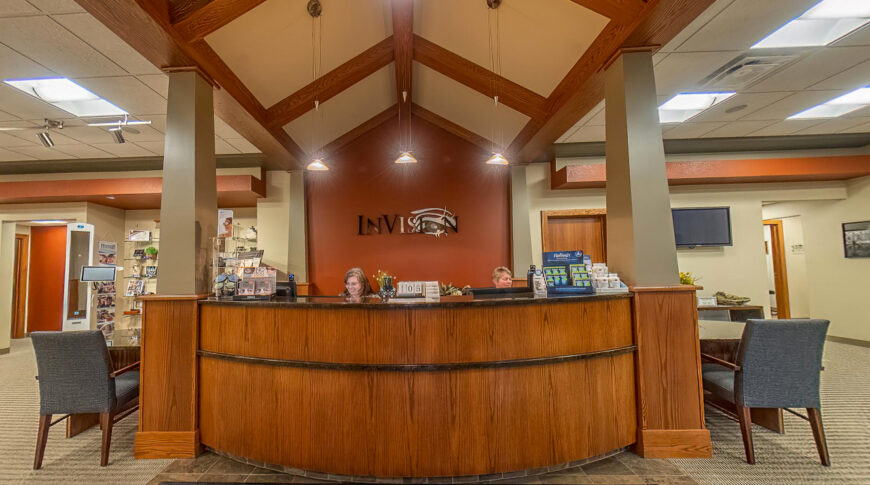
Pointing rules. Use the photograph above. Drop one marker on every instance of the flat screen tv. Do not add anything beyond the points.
(705, 226)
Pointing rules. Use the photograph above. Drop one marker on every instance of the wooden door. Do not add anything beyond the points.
(571, 230)
(780, 277)
(19, 286)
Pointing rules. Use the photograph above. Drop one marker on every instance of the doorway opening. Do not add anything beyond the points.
(774, 253)
(19, 286)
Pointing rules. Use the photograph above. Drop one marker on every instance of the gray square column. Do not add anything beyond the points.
(188, 206)
(640, 230)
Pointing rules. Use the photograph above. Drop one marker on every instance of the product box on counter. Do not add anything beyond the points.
(567, 272)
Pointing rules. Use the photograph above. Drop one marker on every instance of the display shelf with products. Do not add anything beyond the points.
(141, 256)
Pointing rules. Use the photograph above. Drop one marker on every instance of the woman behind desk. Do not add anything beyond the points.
(502, 277)
(356, 285)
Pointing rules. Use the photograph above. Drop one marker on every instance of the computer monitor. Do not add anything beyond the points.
(491, 292)
(98, 273)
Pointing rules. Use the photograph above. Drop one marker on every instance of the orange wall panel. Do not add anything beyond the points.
(364, 181)
(45, 293)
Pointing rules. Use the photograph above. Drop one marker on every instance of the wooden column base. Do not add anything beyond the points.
(674, 443)
(167, 444)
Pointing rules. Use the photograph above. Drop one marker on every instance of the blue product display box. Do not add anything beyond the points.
(566, 272)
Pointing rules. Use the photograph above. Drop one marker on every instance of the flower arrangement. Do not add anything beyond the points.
(380, 276)
(688, 278)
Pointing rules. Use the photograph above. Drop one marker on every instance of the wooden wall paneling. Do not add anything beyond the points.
(668, 368)
(210, 17)
(580, 229)
(479, 78)
(328, 85)
(780, 272)
(19, 299)
(168, 393)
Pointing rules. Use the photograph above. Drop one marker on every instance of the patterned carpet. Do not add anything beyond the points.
(74, 460)
(781, 459)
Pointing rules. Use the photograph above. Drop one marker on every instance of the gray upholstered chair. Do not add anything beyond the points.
(75, 377)
(778, 366)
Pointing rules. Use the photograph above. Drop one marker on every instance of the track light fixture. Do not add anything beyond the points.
(45, 138)
(117, 135)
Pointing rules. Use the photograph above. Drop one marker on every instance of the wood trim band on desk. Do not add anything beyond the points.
(417, 367)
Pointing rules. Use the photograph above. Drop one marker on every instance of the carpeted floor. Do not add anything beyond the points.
(74, 460)
(789, 458)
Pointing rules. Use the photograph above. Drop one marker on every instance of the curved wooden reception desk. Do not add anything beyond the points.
(403, 390)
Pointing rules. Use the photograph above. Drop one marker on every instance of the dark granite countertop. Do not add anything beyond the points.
(402, 303)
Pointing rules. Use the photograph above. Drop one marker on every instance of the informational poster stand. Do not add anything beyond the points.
(566, 272)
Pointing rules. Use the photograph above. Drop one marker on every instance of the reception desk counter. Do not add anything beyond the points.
(320, 386)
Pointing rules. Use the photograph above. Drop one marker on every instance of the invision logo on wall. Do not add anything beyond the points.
(433, 221)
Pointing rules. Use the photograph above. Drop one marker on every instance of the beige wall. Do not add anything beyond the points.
(738, 269)
(7, 246)
(838, 287)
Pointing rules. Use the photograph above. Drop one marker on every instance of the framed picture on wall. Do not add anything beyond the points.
(856, 239)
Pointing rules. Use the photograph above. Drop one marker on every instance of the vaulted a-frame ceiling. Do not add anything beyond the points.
(259, 53)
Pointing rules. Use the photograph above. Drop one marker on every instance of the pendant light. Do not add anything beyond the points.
(314, 10)
(497, 157)
(405, 156)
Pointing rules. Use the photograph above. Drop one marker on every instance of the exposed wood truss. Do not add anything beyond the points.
(212, 16)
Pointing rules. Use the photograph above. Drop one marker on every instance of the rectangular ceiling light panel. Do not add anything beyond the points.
(686, 105)
(66, 95)
(853, 101)
(822, 24)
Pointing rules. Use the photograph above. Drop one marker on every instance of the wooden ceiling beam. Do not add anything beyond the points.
(620, 11)
(145, 25)
(451, 127)
(479, 78)
(336, 145)
(210, 17)
(583, 88)
(403, 52)
(331, 83)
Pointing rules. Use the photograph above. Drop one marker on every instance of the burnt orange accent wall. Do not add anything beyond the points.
(805, 169)
(45, 291)
(363, 180)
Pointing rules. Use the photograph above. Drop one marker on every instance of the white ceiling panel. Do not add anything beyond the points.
(223, 130)
(15, 66)
(790, 105)
(851, 78)
(273, 42)
(814, 68)
(737, 128)
(87, 134)
(221, 147)
(57, 6)
(345, 111)
(4, 116)
(42, 153)
(9, 156)
(128, 149)
(146, 133)
(24, 106)
(158, 122)
(753, 102)
(464, 106)
(128, 93)
(158, 82)
(540, 40)
(29, 136)
(785, 127)
(7, 140)
(243, 145)
(682, 71)
(695, 25)
(836, 125)
(152, 146)
(11, 8)
(85, 151)
(862, 128)
(90, 30)
(861, 37)
(743, 23)
(691, 129)
(587, 134)
(55, 47)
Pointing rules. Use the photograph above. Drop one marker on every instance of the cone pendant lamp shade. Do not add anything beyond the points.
(406, 157)
(497, 159)
(317, 165)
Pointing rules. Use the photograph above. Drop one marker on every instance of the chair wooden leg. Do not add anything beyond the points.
(745, 419)
(41, 439)
(106, 425)
(815, 416)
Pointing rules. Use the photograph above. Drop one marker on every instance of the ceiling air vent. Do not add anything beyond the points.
(745, 70)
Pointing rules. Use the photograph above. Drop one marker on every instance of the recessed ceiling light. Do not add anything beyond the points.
(120, 123)
(822, 24)
(66, 95)
(853, 101)
(686, 105)
(48, 221)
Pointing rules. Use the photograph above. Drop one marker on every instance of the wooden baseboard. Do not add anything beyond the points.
(674, 443)
(167, 444)
(5, 351)
(850, 341)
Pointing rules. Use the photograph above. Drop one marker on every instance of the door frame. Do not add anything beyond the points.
(780, 274)
(546, 215)
(19, 289)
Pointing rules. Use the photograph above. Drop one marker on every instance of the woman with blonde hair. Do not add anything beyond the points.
(502, 277)
(356, 285)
